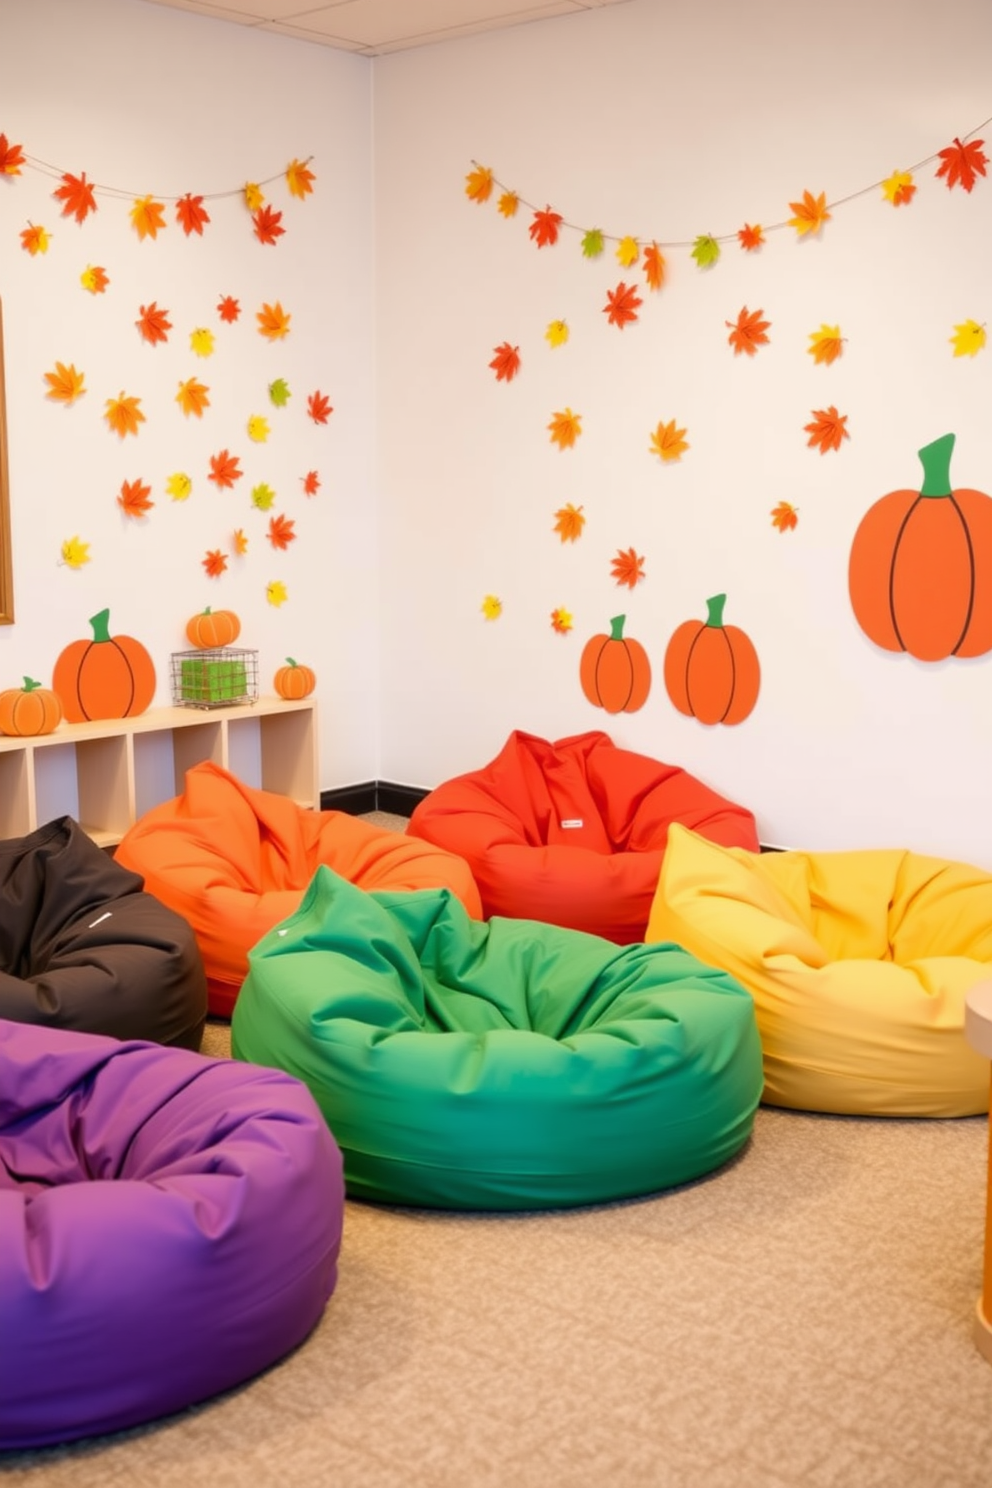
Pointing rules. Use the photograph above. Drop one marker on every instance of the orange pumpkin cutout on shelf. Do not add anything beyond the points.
(294, 680)
(29, 710)
(920, 570)
(212, 629)
(711, 670)
(614, 670)
(106, 677)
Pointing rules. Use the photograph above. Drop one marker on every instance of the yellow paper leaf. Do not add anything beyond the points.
(201, 341)
(492, 607)
(94, 278)
(35, 239)
(827, 344)
(75, 553)
(557, 333)
(258, 428)
(299, 178)
(668, 441)
(277, 593)
(479, 184)
(898, 188)
(179, 486)
(969, 338)
(508, 204)
(254, 196)
(561, 620)
(628, 251)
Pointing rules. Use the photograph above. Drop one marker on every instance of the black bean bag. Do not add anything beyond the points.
(84, 947)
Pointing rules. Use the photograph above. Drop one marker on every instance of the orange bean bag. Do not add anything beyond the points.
(235, 861)
(573, 832)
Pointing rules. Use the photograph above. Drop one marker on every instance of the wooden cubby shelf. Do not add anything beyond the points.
(107, 774)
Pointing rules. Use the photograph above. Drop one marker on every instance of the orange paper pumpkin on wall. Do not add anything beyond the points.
(711, 670)
(106, 677)
(920, 570)
(212, 629)
(29, 710)
(295, 680)
(614, 670)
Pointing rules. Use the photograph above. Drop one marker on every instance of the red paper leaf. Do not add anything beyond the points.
(627, 567)
(959, 164)
(311, 483)
(267, 227)
(154, 323)
(506, 362)
(544, 228)
(827, 429)
(228, 309)
(134, 499)
(191, 214)
(750, 237)
(11, 158)
(215, 563)
(76, 196)
(784, 516)
(621, 304)
(280, 533)
(747, 333)
(224, 470)
(319, 408)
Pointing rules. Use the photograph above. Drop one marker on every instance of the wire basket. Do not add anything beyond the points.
(214, 679)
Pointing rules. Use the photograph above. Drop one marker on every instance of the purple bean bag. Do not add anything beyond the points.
(169, 1227)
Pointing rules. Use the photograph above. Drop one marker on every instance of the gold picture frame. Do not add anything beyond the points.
(6, 561)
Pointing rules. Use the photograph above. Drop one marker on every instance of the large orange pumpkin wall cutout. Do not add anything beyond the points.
(106, 677)
(711, 669)
(920, 571)
(614, 670)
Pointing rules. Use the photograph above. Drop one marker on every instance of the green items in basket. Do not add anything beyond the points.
(205, 681)
(504, 1065)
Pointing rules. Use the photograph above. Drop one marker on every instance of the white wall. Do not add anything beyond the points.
(154, 101)
(666, 119)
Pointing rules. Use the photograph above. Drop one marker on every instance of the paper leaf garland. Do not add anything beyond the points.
(254, 195)
(569, 523)
(899, 188)
(750, 237)
(784, 517)
(506, 362)
(273, 322)
(11, 157)
(706, 251)
(711, 669)
(147, 217)
(960, 164)
(94, 278)
(479, 184)
(319, 407)
(668, 441)
(153, 323)
(224, 470)
(969, 338)
(593, 243)
(826, 344)
(214, 563)
(267, 225)
(299, 179)
(628, 252)
(508, 204)
(193, 397)
(191, 214)
(135, 499)
(654, 266)
(561, 620)
(747, 333)
(123, 414)
(492, 607)
(809, 214)
(622, 304)
(827, 429)
(35, 239)
(565, 428)
(65, 384)
(75, 552)
(627, 567)
(76, 196)
(544, 228)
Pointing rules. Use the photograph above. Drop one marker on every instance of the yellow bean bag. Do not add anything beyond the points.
(858, 963)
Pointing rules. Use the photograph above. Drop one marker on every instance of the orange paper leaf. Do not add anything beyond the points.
(94, 278)
(215, 563)
(280, 533)
(506, 362)
(750, 237)
(153, 323)
(299, 178)
(827, 429)
(240, 540)
(311, 483)
(508, 204)
(621, 304)
(784, 516)
(124, 414)
(627, 567)
(11, 158)
(267, 227)
(273, 322)
(319, 407)
(224, 470)
(654, 266)
(959, 164)
(76, 196)
(668, 441)
(810, 213)
(193, 397)
(65, 384)
(827, 344)
(747, 333)
(191, 214)
(569, 522)
(479, 184)
(134, 500)
(565, 428)
(34, 239)
(544, 228)
(148, 217)
(228, 309)
(561, 620)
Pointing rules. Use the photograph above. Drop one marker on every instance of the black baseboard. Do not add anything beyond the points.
(372, 795)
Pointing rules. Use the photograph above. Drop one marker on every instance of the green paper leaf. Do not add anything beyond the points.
(706, 251)
(279, 392)
(262, 496)
(592, 243)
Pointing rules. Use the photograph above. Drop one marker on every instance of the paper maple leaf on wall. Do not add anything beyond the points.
(224, 470)
(281, 533)
(668, 441)
(809, 214)
(627, 567)
(215, 563)
(784, 516)
(35, 239)
(299, 179)
(193, 397)
(565, 428)
(123, 414)
(622, 304)
(76, 196)
(319, 407)
(747, 332)
(479, 184)
(135, 498)
(569, 522)
(544, 228)
(191, 214)
(65, 384)
(267, 225)
(960, 164)
(11, 157)
(826, 344)
(273, 321)
(654, 266)
(153, 323)
(827, 429)
(506, 362)
(148, 217)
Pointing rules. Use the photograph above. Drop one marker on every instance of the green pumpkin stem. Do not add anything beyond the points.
(714, 611)
(101, 626)
(291, 662)
(30, 684)
(616, 627)
(936, 460)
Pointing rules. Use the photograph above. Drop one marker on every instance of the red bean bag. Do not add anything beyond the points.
(573, 832)
(234, 861)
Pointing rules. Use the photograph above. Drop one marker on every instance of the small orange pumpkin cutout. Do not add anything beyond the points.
(106, 677)
(294, 680)
(920, 570)
(29, 710)
(711, 669)
(615, 671)
(211, 629)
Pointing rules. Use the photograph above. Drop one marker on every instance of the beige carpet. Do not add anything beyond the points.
(802, 1319)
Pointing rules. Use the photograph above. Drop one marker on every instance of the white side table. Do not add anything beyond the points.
(978, 1032)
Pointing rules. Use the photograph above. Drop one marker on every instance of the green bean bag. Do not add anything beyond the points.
(503, 1065)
